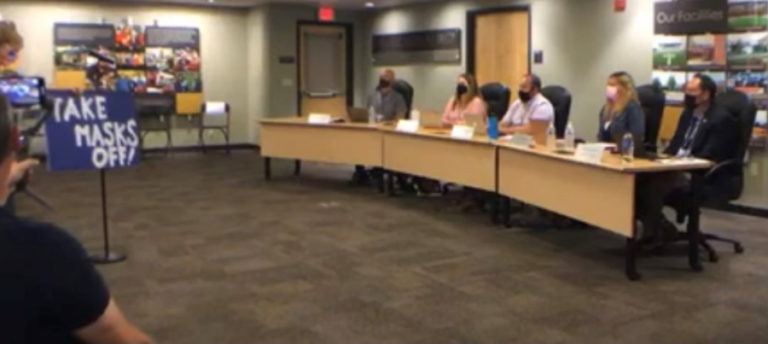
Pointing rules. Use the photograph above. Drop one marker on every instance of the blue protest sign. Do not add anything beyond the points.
(95, 130)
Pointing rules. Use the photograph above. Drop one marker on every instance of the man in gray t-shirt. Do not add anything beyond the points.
(385, 101)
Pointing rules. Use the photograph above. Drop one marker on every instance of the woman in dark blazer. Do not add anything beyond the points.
(622, 112)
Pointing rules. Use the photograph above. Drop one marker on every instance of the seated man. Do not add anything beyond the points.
(388, 105)
(705, 130)
(530, 106)
(50, 292)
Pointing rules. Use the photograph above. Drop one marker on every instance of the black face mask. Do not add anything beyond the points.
(383, 83)
(690, 101)
(461, 89)
(524, 96)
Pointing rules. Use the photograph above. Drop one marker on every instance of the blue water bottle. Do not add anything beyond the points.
(493, 127)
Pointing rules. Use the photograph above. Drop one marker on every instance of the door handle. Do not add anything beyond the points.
(329, 94)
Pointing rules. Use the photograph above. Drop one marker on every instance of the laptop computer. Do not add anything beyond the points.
(357, 115)
(430, 119)
(478, 122)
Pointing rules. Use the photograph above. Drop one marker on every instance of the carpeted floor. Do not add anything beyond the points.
(218, 255)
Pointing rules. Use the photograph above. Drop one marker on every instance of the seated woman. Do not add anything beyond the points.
(621, 113)
(466, 101)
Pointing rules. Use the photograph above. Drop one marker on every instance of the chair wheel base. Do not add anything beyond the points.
(738, 248)
(713, 257)
(634, 276)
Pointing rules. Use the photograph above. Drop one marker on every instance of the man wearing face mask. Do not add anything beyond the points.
(530, 106)
(705, 130)
(385, 101)
(388, 106)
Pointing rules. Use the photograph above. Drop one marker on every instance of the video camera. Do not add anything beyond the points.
(27, 93)
(23, 92)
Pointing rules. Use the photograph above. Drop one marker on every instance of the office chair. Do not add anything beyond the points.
(653, 100)
(724, 182)
(406, 90)
(561, 101)
(496, 95)
(215, 116)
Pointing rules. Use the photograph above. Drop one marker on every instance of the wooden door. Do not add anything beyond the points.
(501, 48)
(323, 86)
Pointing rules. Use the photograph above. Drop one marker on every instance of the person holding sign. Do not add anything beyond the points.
(52, 293)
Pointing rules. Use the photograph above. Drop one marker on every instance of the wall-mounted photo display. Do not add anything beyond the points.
(131, 81)
(706, 52)
(70, 57)
(671, 82)
(748, 82)
(669, 52)
(129, 36)
(747, 15)
(747, 51)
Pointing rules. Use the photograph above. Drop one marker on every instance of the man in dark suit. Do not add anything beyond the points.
(706, 130)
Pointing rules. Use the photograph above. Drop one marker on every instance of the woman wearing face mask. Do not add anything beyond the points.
(464, 102)
(621, 113)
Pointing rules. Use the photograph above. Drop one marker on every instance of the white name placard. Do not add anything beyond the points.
(592, 153)
(407, 126)
(521, 140)
(462, 132)
(319, 118)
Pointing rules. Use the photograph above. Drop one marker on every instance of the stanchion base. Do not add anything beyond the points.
(111, 258)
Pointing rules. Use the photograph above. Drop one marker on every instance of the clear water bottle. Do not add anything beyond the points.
(628, 147)
(551, 137)
(371, 115)
(570, 136)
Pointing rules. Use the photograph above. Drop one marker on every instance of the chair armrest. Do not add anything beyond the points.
(728, 167)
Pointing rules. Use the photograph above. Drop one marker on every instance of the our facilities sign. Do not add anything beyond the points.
(91, 131)
(691, 16)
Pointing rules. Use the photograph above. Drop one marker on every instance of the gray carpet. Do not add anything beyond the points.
(218, 255)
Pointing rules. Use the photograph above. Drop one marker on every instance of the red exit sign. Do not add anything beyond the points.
(325, 13)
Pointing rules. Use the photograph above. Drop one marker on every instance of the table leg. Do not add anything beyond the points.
(381, 183)
(630, 259)
(297, 168)
(268, 168)
(693, 230)
(506, 211)
(494, 198)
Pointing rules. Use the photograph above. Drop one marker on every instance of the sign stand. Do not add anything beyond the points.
(106, 257)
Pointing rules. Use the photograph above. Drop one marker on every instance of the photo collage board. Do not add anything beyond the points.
(732, 47)
(131, 58)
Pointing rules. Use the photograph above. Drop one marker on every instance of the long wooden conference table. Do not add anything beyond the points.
(601, 194)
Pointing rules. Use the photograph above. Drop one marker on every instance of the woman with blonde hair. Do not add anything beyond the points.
(621, 113)
(466, 101)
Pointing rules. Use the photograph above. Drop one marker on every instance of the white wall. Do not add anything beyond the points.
(224, 50)
(583, 42)
(258, 74)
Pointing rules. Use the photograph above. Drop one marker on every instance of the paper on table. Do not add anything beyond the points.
(407, 126)
(462, 132)
(215, 108)
(681, 161)
(319, 118)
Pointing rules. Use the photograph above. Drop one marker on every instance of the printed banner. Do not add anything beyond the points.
(96, 130)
